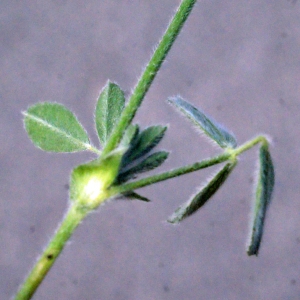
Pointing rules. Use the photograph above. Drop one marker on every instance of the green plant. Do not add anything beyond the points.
(127, 152)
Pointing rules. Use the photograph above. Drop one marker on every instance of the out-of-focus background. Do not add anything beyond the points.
(239, 61)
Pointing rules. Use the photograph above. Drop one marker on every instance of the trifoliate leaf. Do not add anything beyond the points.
(264, 189)
(205, 194)
(151, 162)
(90, 181)
(135, 196)
(210, 127)
(52, 127)
(145, 142)
(108, 110)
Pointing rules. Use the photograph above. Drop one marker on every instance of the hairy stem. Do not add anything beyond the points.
(75, 215)
(248, 145)
(230, 154)
(149, 73)
(171, 174)
(71, 220)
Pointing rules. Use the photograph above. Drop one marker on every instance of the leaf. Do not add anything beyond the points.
(129, 140)
(151, 162)
(130, 135)
(264, 189)
(108, 110)
(52, 127)
(90, 181)
(210, 127)
(205, 194)
(136, 196)
(145, 142)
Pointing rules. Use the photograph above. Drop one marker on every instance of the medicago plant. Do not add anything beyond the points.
(127, 152)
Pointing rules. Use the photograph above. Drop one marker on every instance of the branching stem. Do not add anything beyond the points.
(76, 214)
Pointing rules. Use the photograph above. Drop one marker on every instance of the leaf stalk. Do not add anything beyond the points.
(229, 154)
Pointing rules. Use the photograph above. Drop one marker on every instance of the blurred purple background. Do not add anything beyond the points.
(237, 60)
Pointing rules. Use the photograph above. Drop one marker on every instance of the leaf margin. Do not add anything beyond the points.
(197, 201)
(216, 132)
(109, 106)
(263, 196)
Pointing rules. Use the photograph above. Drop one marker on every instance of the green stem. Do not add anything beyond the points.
(149, 73)
(71, 220)
(75, 215)
(246, 146)
(227, 155)
(170, 174)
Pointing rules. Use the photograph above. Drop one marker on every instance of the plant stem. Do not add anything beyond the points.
(75, 214)
(71, 220)
(227, 155)
(149, 73)
(170, 174)
(246, 146)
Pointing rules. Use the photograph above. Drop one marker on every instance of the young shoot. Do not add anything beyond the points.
(129, 150)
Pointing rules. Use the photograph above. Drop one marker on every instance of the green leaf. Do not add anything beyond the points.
(205, 194)
(130, 135)
(264, 189)
(145, 142)
(108, 110)
(52, 127)
(90, 181)
(210, 127)
(135, 196)
(151, 162)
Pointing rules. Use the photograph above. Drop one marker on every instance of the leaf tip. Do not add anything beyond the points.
(252, 252)
(173, 220)
(205, 123)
